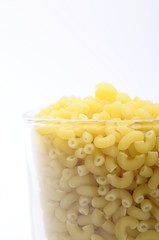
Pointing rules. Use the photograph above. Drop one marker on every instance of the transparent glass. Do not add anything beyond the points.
(93, 180)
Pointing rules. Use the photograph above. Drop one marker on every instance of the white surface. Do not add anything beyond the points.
(54, 48)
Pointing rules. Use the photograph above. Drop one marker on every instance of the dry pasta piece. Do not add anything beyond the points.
(65, 133)
(82, 170)
(122, 194)
(146, 205)
(104, 142)
(130, 138)
(103, 190)
(87, 137)
(99, 202)
(98, 217)
(84, 201)
(121, 182)
(68, 200)
(84, 220)
(89, 148)
(60, 214)
(140, 179)
(84, 210)
(89, 163)
(151, 159)
(132, 164)
(88, 191)
(70, 161)
(77, 233)
(62, 145)
(111, 208)
(148, 224)
(106, 91)
(106, 235)
(148, 145)
(110, 164)
(109, 226)
(150, 234)
(110, 151)
(140, 192)
(77, 181)
(122, 225)
(154, 180)
(121, 212)
(155, 211)
(99, 160)
(146, 171)
(102, 180)
(138, 213)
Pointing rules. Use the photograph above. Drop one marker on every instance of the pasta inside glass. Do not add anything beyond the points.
(93, 179)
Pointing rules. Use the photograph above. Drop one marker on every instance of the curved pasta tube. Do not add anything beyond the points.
(109, 226)
(140, 180)
(146, 205)
(122, 225)
(155, 211)
(133, 164)
(111, 151)
(121, 212)
(55, 195)
(84, 220)
(121, 182)
(104, 142)
(138, 213)
(148, 145)
(111, 208)
(89, 163)
(99, 202)
(97, 217)
(130, 138)
(146, 171)
(106, 235)
(64, 184)
(153, 183)
(148, 235)
(61, 214)
(88, 191)
(77, 233)
(151, 224)
(122, 194)
(68, 200)
(77, 181)
(110, 164)
(151, 159)
(140, 192)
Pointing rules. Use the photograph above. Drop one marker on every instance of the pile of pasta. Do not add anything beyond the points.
(98, 167)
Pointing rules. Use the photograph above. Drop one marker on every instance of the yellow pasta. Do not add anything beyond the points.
(98, 175)
(121, 182)
(104, 142)
(130, 138)
(132, 164)
(150, 234)
(122, 225)
(148, 145)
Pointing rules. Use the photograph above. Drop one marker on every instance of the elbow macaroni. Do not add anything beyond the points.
(98, 175)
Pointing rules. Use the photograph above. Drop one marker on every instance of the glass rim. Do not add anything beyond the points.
(30, 117)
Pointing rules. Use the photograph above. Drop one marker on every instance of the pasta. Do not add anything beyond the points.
(98, 167)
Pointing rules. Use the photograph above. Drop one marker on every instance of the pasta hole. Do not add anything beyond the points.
(126, 203)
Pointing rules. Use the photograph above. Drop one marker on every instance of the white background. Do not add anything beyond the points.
(52, 48)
